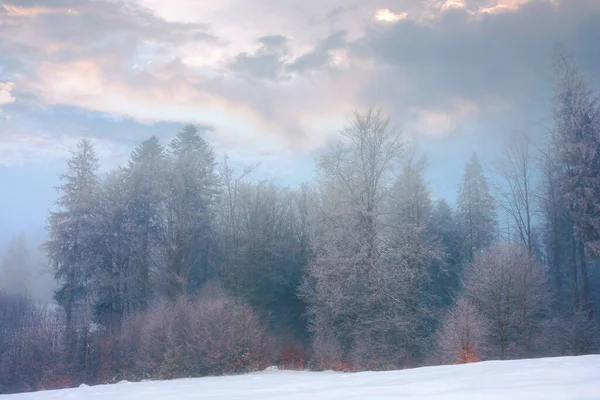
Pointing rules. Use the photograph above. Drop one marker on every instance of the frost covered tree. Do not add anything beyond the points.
(110, 283)
(463, 329)
(145, 175)
(72, 247)
(446, 279)
(411, 197)
(266, 254)
(476, 210)
(188, 238)
(577, 151)
(512, 291)
(413, 256)
(348, 288)
(516, 187)
(130, 222)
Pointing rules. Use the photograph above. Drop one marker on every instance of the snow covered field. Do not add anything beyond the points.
(549, 378)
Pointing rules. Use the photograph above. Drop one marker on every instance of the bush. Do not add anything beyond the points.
(292, 357)
(209, 335)
(31, 346)
(467, 354)
(463, 330)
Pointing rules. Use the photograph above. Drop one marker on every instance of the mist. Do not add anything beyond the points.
(192, 190)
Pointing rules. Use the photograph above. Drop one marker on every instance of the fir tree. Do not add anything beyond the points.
(476, 211)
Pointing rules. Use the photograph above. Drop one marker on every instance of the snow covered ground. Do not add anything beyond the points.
(549, 378)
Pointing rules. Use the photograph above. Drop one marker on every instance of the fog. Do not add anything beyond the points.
(194, 189)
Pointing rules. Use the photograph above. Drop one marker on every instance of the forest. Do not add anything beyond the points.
(178, 265)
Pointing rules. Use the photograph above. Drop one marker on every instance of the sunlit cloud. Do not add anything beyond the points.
(453, 4)
(503, 6)
(155, 64)
(180, 94)
(385, 15)
(31, 12)
(474, 8)
(438, 123)
(6, 96)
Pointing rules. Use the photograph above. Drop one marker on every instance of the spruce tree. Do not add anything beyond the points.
(476, 210)
(72, 248)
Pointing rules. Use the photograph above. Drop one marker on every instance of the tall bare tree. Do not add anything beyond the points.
(512, 291)
(343, 287)
(516, 187)
(463, 328)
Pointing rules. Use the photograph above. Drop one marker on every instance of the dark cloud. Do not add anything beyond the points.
(320, 56)
(505, 54)
(272, 61)
(273, 41)
(266, 63)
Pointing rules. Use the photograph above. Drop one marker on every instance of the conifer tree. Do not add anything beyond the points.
(72, 248)
(476, 210)
(192, 193)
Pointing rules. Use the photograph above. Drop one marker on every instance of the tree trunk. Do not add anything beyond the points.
(585, 286)
(575, 296)
(525, 319)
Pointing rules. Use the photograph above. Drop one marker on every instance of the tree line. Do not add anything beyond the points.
(176, 265)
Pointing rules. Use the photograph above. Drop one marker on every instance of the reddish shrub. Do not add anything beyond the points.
(292, 357)
(467, 354)
(210, 335)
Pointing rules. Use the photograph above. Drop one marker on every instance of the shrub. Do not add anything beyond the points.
(31, 346)
(467, 354)
(211, 334)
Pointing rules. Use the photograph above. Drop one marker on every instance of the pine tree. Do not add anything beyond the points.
(146, 185)
(476, 211)
(111, 278)
(445, 227)
(73, 245)
(193, 189)
(577, 152)
(415, 254)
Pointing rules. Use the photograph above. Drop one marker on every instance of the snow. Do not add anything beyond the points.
(547, 378)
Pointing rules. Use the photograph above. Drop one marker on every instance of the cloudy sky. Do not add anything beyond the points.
(271, 80)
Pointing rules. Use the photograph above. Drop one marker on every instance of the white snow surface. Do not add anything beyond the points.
(545, 378)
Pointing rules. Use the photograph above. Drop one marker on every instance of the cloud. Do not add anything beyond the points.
(507, 56)
(120, 58)
(267, 62)
(5, 93)
(279, 76)
(273, 59)
(453, 4)
(385, 15)
(42, 133)
(320, 56)
(440, 122)
(19, 146)
(69, 30)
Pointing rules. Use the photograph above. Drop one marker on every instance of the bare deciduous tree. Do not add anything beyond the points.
(511, 290)
(516, 187)
(463, 327)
